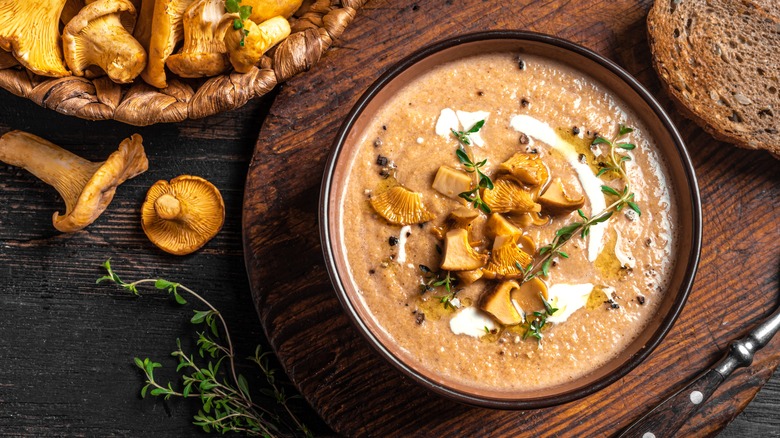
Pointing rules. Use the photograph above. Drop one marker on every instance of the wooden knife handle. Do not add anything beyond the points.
(667, 418)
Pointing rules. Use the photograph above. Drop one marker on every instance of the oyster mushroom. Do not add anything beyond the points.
(161, 28)
(459, 255)
(555, 200)
(401, 206)
(181, 216)
(265, 9)
(96, 36)
(498, 302)
(204, 52)
(504, 260)
(259, 38)
(86, 187)
(509, 196)
(30, 30)
(526, 169)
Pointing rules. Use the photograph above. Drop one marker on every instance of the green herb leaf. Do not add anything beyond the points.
(623, 130)
(627, 146)
(601, 219)
(179, 298)
(463, 157)
(634, 207)
(601, 140)
(231, 6)
(244, 12)
(609, 190)
(477, 126)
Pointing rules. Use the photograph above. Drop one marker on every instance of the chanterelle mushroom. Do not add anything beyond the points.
(30, 29)
(181, 216)
(96, 36)
(204, 52)
(86, 187)
(165, 31)
(265, 9)
(259, 39)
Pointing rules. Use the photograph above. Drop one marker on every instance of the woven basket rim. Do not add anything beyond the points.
(314, 28)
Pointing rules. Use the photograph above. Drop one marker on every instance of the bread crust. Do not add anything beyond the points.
(719, 60)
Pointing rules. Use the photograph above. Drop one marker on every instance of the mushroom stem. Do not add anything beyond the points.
(168, 207)
(66, 172)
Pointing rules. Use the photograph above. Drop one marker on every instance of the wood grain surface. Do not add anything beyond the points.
(349, 385)
(67, 344)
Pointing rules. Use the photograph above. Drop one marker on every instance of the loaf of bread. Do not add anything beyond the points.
(720, 60)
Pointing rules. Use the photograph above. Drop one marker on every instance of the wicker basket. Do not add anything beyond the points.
(314, 27)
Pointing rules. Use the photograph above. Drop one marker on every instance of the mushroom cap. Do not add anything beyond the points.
(180, 216)
(127, 162)
(30, 30)
(264, 9)
(260, 39)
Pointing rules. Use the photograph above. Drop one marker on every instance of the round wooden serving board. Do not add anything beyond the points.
(347, 382)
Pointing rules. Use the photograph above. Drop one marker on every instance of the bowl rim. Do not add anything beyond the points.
(526, 403)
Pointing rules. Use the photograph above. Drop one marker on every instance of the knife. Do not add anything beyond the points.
(666, 418)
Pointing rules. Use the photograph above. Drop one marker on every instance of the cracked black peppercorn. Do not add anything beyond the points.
(393, 241)
(380, 160)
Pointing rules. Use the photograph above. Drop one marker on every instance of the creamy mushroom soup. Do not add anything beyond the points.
(474, 262)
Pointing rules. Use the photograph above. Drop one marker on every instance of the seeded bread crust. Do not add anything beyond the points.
(720, 60)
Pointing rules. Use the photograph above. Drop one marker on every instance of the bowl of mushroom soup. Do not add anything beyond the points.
(510, 219)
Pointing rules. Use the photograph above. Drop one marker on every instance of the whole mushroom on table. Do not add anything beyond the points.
(127, 38)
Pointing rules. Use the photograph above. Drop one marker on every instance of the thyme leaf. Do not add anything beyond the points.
(625, 197)
(224, 395)
(483, 182)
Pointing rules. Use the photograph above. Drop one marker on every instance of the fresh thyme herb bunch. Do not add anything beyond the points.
(227, 405)
(483, 181)
(625, 198)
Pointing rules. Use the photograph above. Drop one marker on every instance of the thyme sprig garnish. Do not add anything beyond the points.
(434, 280)
(582, 228)
(483, 181)
(234, 7)
(463, 136)
(539, 321)
(226, 402)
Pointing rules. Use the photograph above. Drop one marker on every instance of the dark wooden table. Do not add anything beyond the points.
(67, 344)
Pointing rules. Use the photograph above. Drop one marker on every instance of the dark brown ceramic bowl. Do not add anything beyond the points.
(621, 84)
